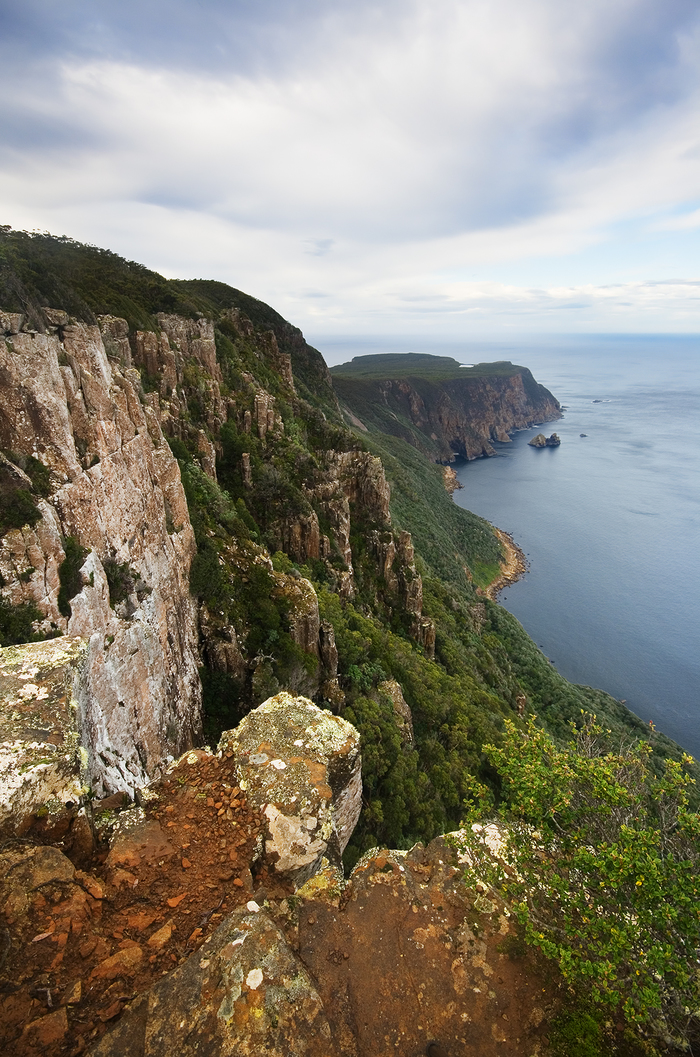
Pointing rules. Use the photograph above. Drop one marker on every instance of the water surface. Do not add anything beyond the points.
(610, 521)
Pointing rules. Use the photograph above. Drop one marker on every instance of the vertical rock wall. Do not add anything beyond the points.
(115, 488)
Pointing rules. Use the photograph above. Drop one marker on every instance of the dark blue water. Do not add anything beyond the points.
(610, 522)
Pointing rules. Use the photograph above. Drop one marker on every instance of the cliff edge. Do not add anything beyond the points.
(440, 406)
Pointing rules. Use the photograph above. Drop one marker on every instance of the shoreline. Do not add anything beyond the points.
(513, 567)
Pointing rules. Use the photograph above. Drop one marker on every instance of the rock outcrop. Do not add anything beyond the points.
(244, 994)
(43, 768)
(113, 522)
(405, 953)
(301, 767)
(540, 441)
(440, 407)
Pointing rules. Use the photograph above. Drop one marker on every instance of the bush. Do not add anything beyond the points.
(119, 579)
(601, 866)
(69, 574)
(16, 622)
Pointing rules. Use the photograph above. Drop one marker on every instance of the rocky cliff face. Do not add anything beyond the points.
(89, 406)
(113, 524)
(461, 413)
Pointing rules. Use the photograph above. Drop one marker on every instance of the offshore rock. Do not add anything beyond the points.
(301, 766)
(540, 441)
(243, 994)
(42, 768)
(114, 487)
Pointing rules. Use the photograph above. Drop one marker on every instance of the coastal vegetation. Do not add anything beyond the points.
(597, 857)
(601, 820)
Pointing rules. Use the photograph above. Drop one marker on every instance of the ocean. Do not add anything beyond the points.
(609, 521)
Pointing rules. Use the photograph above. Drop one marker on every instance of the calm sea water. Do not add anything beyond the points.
(610, 522)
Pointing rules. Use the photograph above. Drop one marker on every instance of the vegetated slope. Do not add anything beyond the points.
(437, 405)
(87, 282)
(303, 577)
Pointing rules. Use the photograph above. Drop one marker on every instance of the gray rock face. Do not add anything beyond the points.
(115, 488)
(301, 766)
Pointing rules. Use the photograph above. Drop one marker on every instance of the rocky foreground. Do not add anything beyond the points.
(213, 918)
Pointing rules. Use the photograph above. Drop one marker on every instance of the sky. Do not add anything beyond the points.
(452, 168)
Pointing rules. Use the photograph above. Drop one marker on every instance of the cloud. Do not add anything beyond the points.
(421, 139)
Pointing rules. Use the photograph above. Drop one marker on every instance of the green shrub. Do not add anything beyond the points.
(120, 580)
(601, 867)
(69, 574)
(16, 622)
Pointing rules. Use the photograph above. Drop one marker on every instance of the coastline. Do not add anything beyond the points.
(513, 567)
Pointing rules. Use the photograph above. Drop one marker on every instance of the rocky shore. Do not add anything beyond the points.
(513, 567)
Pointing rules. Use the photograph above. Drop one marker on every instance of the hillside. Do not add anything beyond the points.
(302, 571)
(194, 520)
(440, 406)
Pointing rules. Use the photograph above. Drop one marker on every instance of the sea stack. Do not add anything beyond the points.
(540, 441)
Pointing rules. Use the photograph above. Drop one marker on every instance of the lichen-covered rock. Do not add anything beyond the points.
(301, 766)
(243, 994)
(42, 766)
(410, 954)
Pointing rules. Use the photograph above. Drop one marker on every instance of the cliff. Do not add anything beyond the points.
(180, 490)
(440, 407)
(184, 506)
(103, 544)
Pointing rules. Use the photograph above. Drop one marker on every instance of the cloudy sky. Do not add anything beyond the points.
(447, 167)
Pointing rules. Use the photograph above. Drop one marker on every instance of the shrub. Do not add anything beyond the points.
(601, 867)
(16, 622)
(69, 574)
(119, 579)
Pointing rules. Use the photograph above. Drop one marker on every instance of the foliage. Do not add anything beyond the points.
(447, 537)
(16, 622)
(575, 1033)
(119, 579)
(69, 574)
(600, 866)
(18, 505)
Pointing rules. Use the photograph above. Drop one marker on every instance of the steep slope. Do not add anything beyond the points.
(102, 547)
(439, 406)
(297, 540)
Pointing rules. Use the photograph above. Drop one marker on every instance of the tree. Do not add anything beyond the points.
(598, 860)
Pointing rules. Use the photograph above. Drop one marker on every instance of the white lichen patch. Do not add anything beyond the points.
(254, 979)
(300, 765)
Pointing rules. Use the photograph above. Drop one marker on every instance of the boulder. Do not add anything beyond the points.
(42, 765)
(244, 993)
(301, 766)
(540, 441)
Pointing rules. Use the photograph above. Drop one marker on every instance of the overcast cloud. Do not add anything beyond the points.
(434, 166)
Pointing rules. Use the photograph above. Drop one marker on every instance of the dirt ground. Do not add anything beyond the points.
(75, 949)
